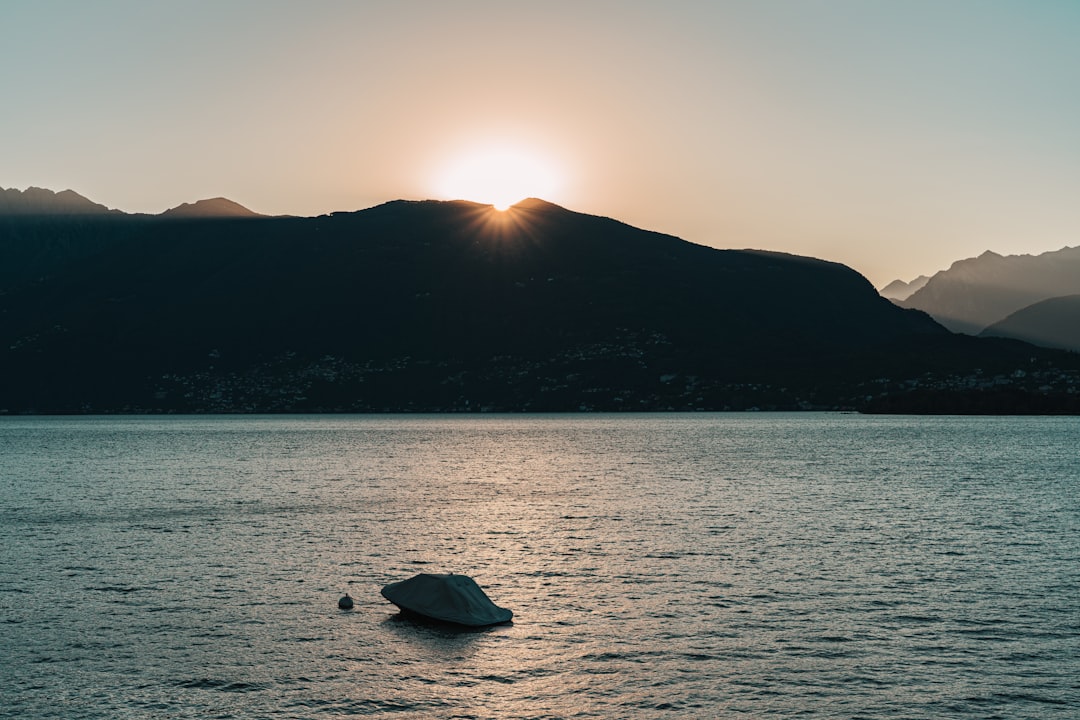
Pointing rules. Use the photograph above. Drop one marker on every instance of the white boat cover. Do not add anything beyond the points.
(449, 598)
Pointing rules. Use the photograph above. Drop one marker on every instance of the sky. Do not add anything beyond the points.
(894, 136)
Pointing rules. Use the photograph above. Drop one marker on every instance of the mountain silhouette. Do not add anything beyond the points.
(212, 208)
(1050, 323)
(443, 306)
(977, 292)
(39, 201)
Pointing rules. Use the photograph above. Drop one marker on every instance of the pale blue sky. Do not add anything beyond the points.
(894, 137)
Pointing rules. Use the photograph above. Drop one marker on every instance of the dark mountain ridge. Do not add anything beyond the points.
(444, 306)
(42, 231)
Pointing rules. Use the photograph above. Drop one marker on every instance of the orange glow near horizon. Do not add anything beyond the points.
(497, 176)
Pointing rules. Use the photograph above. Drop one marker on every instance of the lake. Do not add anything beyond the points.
(658, 566)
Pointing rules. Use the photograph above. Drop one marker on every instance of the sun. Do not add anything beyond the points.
(498, 176)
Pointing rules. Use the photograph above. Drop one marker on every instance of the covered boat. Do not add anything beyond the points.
(447, 598)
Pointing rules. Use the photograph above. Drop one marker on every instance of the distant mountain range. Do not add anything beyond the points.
(454, 306)
(900, 290)
(987, 294)
(40, 202)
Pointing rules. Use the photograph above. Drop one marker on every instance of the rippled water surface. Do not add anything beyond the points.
(708, 565)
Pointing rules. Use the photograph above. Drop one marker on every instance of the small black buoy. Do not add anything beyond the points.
(345, 603)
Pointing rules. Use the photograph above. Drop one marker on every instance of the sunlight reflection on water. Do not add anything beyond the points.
(659, 565)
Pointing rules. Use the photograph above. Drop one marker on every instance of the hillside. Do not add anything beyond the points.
(439, 306)
(1050, 323)
(43, 232)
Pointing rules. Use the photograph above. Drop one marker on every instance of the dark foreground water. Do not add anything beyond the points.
(814, 566)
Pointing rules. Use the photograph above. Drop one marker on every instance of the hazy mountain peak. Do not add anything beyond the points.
(900, 290)
(218, 207)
